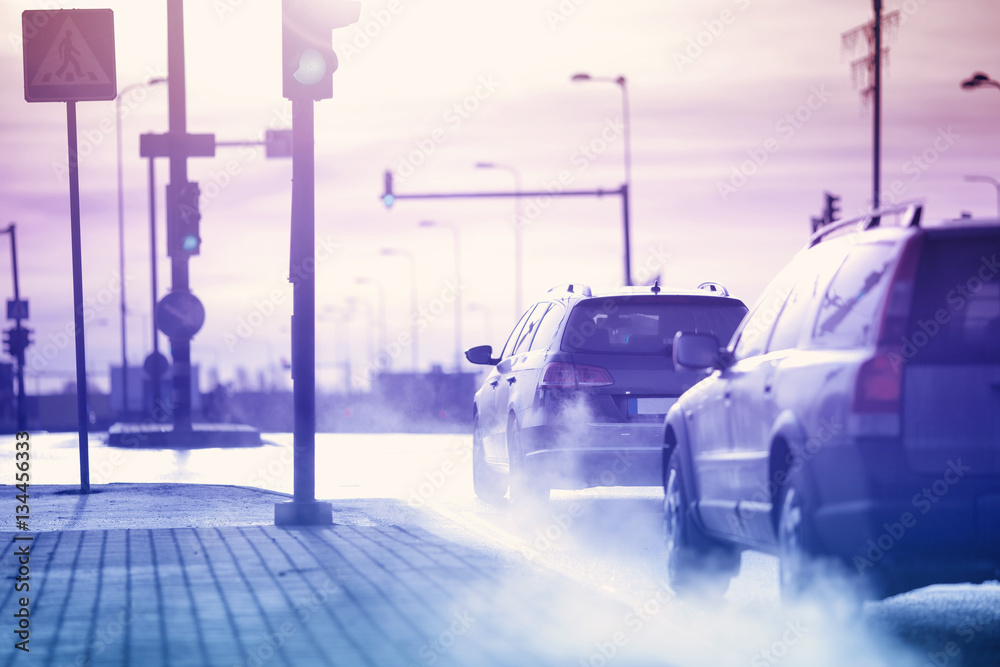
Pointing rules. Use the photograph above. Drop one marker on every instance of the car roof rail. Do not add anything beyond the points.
(715, 288)
(911, 211)
(572, 288)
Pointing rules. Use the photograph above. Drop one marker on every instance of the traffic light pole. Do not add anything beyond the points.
(22, 411)
(180, 349)
(304, 509)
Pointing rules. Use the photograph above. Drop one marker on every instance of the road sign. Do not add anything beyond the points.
(278, 143)
(155, 365)
(180, 315)
(69, 55)
(17, 310)
(170, 145)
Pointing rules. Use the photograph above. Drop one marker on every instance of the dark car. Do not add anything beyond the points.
(852, 425)
(580, 389)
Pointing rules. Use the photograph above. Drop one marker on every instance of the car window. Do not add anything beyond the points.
(546, 329)
(955, 316)
(647, 325)
(813, 278)
(752, 336)
(508, 347)
(849, 307)
(528, 332)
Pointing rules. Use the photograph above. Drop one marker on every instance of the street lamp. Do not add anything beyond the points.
(458, 286)
(414, 308)
(121, 229)
(352, 304)
(992, 181)
(518, 229)
(979, 79)
(626, 127)
(364, 280)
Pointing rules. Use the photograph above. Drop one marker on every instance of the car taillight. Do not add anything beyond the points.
(879, 383)
(558, 374)
(562, 375)
(593, 376)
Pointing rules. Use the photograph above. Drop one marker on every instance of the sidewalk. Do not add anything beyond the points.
(362, 592)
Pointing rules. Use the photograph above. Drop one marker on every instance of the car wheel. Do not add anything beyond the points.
(695, 562)
(525, 490)
(487, 484)
(798, 567)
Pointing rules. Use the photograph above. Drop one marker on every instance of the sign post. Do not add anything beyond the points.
(69, 56)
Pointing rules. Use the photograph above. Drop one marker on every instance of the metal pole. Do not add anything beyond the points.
(304, 301)
(627, 127)
(82, 413)
(458, 302)
(625, 224)
(414, 312)
(877, 115)
(383, 324)
(180, 349)
(153, 276)
(518, 251)
(121, 249)
(22, 411)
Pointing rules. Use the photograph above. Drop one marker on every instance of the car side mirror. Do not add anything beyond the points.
(482, 355)
(698, 351)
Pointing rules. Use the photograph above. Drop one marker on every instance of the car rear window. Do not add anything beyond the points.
(955, 316)
(646, 325)
(850, 305)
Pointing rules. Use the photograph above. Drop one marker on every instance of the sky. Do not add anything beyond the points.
(742, 113)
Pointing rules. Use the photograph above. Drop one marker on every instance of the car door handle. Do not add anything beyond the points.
(511, 380)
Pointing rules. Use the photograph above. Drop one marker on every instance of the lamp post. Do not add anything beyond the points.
(364, 280)
(622, 83)
(518, 229)
(978, 80)
(121, 230)
(987, 179)
(352, 304)
(458, 286)
(414, 308)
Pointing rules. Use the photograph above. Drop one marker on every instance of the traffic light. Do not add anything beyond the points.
(831, 212)
(308, 60)
(183, 220)
(16, 340)
(388, 198)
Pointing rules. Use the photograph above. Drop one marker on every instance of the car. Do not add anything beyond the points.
(577, 395)
(851, 426)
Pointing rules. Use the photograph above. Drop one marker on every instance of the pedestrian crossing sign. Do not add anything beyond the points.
(69, 55)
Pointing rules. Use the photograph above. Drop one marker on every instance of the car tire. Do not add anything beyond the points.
(696, 564)
(798, 568)
(486, 483)
(526, 491)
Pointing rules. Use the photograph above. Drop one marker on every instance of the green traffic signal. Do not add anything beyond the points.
(388, 198)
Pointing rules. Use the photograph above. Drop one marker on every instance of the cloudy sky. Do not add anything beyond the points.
(743, 112)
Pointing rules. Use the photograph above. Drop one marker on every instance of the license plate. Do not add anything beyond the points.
(650, 406)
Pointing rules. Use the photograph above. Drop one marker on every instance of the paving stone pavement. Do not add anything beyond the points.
(261, 595)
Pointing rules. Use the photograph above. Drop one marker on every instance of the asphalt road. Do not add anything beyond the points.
(607, 539)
